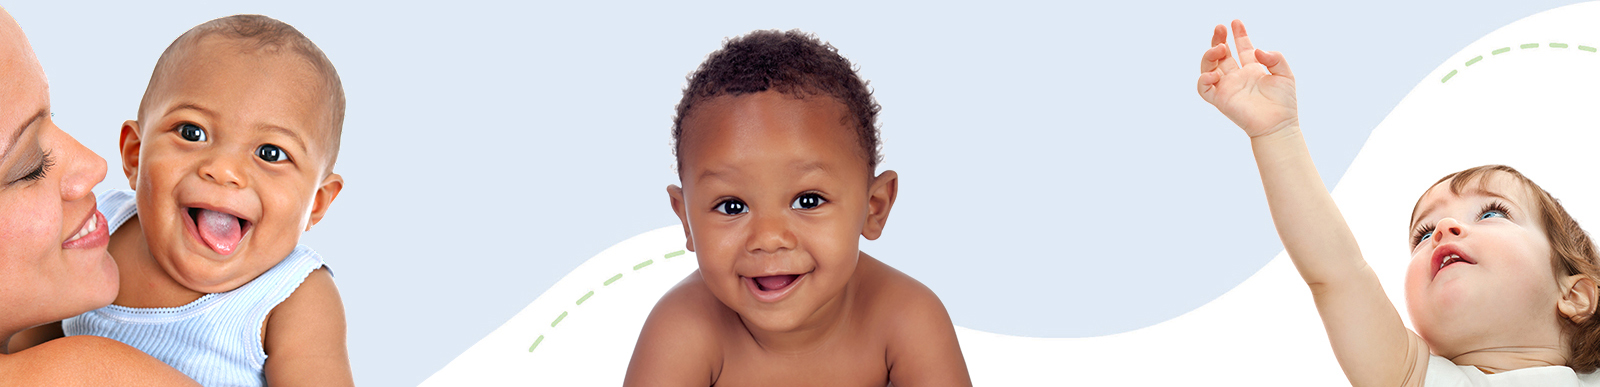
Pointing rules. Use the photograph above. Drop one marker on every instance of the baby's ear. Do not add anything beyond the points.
(129, 144)
(675, 193)
(329, 190)
(1578, 301)
(883, 188)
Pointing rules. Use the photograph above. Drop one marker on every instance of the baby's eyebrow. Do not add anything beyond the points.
(286, 133)
(191, 106)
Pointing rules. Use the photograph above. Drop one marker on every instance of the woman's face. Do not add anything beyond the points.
(53, 261)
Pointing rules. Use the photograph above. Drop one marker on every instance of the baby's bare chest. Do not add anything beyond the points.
(846, 367)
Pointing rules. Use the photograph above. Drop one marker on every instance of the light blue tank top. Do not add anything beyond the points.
(216, 339)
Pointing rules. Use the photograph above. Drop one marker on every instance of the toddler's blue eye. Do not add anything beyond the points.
(731, 207)
(807, 201)
(271, 153)
(192, 133)
(1425, 236)
(1491, 214)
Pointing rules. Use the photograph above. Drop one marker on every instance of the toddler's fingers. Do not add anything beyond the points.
(1274, 62)
(1219, 35)
(1208, 80)
(1216, 58)
(1243, 41)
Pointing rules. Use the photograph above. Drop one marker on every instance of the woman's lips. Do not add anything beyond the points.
(91, 233)
(772, 288)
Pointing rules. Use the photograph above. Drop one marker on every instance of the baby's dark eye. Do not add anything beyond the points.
(192, 133)
(807, 201)
(271, 153)
(731, 207)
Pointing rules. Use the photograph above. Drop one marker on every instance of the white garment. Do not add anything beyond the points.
(1443, 373)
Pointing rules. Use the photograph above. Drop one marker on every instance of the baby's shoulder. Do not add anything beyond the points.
(892, 297)
(684, 336)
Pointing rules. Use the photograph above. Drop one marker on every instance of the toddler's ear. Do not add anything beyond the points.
(329, 190)
(884, 188)
(675, 193)
(129, 143)
(1578, 301)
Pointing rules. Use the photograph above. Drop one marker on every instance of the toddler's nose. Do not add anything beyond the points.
(1450, 228)
(224, 171)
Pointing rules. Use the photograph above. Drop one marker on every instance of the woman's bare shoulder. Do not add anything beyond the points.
(86, 361)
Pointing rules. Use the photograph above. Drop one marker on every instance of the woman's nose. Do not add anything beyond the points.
(81, 169)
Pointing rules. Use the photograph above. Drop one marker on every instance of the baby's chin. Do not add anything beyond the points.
(206, 275)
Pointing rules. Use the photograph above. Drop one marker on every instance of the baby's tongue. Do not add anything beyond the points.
(220, 231)
(777, 282)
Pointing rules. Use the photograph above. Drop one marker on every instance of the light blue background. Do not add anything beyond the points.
(1060, 176)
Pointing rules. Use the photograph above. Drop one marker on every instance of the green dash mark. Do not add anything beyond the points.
(1530, 45)
(673, 254)
(1586, 48)
(1502, 50)
(1558, 45)
(613, 279)
(535, 343)
(558, 319)
(1447, 76)
(1474, 60)
(585, 297)
(641, 265)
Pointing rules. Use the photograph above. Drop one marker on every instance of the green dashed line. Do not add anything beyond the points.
(536, 343)
(1503, 50)
(586, 296)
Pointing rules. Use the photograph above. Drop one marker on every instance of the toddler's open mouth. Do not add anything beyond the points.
(1448, 255)
(773, 287)
(220, 231)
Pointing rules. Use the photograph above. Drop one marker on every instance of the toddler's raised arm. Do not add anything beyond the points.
(1372, 344)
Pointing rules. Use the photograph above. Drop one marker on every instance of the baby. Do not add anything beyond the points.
(1502, 282)
(231, 158)
(777, 142)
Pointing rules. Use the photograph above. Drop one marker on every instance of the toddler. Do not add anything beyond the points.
(1502, 282)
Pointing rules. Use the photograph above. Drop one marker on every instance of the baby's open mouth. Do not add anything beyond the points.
(775, 282)
(220, 231)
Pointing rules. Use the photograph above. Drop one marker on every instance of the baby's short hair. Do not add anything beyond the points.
(260, 34)
(791, 62)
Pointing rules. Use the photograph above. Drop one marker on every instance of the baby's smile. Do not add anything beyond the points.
(217, 229)
(1448, 255)
(772, 288)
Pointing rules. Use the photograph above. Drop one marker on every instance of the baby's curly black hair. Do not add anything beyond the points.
(791, 62)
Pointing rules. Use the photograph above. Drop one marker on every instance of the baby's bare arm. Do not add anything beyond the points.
(1372, 344)
(305, 337)
(678, 345)
(924, 351)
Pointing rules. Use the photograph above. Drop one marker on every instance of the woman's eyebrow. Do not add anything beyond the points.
(22, 130)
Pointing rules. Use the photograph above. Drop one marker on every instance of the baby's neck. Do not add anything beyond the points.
(144, 284)
(1502, 359)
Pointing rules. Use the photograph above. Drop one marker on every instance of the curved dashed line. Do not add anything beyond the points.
(1502, 50)
(607, 282)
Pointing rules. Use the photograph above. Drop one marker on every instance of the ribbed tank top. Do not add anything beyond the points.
(216, 339)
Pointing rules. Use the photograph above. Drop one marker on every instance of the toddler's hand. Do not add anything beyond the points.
(1258, 101)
